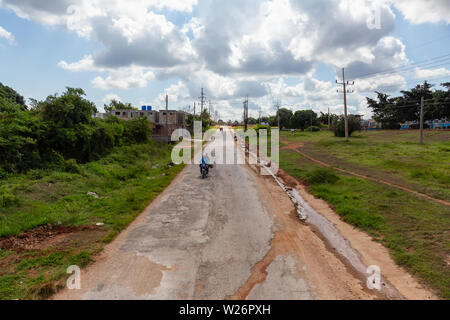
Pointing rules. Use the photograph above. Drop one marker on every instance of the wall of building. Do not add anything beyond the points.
(176, 119)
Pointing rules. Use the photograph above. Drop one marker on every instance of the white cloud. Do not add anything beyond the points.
(431, 73)
(124, 78)
(233, 48)
(8, 36)
(421, 11)
(110, 97)
(85, 64)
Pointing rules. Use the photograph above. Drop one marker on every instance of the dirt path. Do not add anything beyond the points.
(296, 147)
(234, 235)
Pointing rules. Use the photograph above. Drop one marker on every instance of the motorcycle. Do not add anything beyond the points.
(204, 169)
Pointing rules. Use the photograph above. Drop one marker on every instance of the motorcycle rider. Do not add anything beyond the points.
(205, 163)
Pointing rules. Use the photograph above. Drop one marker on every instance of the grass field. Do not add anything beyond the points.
(126, 181)
(416, 230)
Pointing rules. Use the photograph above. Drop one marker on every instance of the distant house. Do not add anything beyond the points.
(175, 119)
(100, 115)
(440, 124)
(429, 124)
(370, 124)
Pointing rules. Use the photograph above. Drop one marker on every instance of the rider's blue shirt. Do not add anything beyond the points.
(205, 160)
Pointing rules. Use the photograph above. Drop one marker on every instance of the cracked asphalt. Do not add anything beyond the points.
(218, 238)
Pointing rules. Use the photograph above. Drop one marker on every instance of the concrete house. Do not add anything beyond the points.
(175, 119)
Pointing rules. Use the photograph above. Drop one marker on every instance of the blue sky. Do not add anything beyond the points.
(267, 61)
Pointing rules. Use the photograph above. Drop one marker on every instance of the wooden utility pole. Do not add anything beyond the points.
(345, 84)
(202, 101)
(194, 111)
(421, 119)
(329, 120)
(246, 114)
(167, 117)
(278, 114)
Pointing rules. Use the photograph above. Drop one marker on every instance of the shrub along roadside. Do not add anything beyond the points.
(61, 127)
(126, 181)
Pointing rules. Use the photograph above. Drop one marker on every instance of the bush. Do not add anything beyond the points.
(59, 128)
(137, 130)
(7, 198)
(322, 175)
(313, 129)
(261, 127)
(71, 166)
(354, 124)
(3, 173)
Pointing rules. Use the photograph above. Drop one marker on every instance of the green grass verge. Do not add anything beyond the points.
(394, 153)
(126, 181)
(415, 230)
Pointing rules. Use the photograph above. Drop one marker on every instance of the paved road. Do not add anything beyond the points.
(222, 237)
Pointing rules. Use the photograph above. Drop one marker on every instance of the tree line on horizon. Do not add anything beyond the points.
(392, 111)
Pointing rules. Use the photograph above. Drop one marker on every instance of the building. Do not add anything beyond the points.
(370, 124)
(175, 119)
(429, 124)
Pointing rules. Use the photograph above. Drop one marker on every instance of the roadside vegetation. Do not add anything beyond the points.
(415, 230)
(68, 185)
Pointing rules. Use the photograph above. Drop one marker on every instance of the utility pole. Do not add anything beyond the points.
(246, 114)
(194, 111)
(278, 114)
(202, 102)
(421, 119)
(167, 118)
(345, 84)
(329, 120)
(210, 112)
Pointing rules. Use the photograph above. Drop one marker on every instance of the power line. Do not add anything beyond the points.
(398, 69)
(412, 69)
(427, 43)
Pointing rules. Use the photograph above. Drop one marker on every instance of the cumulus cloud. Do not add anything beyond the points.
(110, 97)
(231, 48)
(124, 78)
(421, 11)
(8, 36)
(431, 73)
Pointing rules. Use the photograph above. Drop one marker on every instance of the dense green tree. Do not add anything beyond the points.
(117, 105)
(392, 111)
(273, 121)
(204, 117)
(10, 94)
(252, 121)
(285, 117)
(354, 124)
(303, 119)
(21, 133)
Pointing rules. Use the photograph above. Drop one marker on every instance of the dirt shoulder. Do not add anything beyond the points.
(371, 252)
